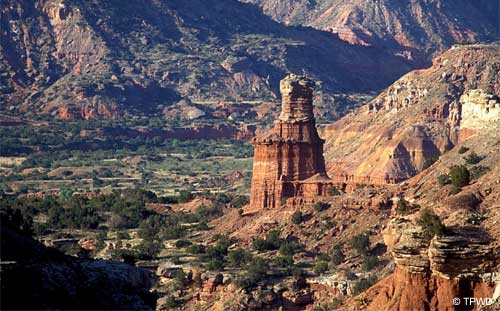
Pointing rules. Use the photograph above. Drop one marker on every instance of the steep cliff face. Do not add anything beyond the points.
(420, 116)
(96, 59)
(415, 29)
(291, 152)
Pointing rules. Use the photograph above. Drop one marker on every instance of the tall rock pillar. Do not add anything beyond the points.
(292, 151)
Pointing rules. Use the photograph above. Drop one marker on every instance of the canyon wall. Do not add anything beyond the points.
(424, 114)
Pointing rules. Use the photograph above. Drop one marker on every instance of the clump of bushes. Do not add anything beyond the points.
(271, 242)
(297, 217)
(459, 176)
(444, 179)
(337, 255)
(431, 223)
(462, 150)
(256, 271)
(360, 243)
(369, 263)
(182, 243)
(405, 208)
(321, 206)
(363, 284)
(473, 158)
(321, 267)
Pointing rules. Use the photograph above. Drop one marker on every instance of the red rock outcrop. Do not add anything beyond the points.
(288, 159)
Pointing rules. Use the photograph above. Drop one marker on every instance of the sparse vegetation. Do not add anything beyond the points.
(405, 208)
(271, 242)
(321, 206)
(369, 262)
(462, 150)
(321, 267)
(333, 191)
(360, 243)
(337, 255)
(431, 223)
(459, 176)
(297, 217)
(473, 158)
(363, 284)
(444, 179)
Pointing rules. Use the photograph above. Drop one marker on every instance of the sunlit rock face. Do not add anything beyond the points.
(288, 160)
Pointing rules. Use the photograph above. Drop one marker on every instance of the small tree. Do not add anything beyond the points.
(297, 217)
(463, 149)
(460, 176)
(321, 267)
(321, 206)
(369, 263)
(360, 243)
(473, 158)
(444, 179)
(363, 284)
(337, 255)
(430, 223)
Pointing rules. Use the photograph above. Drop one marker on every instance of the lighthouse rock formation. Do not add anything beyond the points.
(288, 159)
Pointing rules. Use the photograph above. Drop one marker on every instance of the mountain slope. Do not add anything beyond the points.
(419, 117)
(88, 59)
(416, 28)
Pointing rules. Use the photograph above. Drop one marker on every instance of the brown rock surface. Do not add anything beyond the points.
(288, 160)
(419, 117)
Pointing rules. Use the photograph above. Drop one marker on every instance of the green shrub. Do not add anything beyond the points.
(256, 271)
(272, 241)
(240, 201)
(369, 263)
(405, 208)
(289, 248)
(462, 150)
(360, 243)
(477, 171)
(182, 243)
(196, 249)
(337, 255)
(333, 191)
(284, 262)
(297, 217)
(321, 206)
(460, 176)
(171, 303)
(239, 257)
(215, 264)
(363, 284)
(473, 158)
(429, 161)
(444, 179)
(185, 196)
(323, 257)
(430, 223)
(320, 267)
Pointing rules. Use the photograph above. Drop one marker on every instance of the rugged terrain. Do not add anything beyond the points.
(411, 123)
(415, 29)
(91, 59)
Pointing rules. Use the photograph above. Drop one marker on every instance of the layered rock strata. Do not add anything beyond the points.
(288, 159)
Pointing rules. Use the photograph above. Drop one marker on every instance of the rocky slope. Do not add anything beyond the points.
(93, 59)
(463, 261)
(415, 29)
(419, 117)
